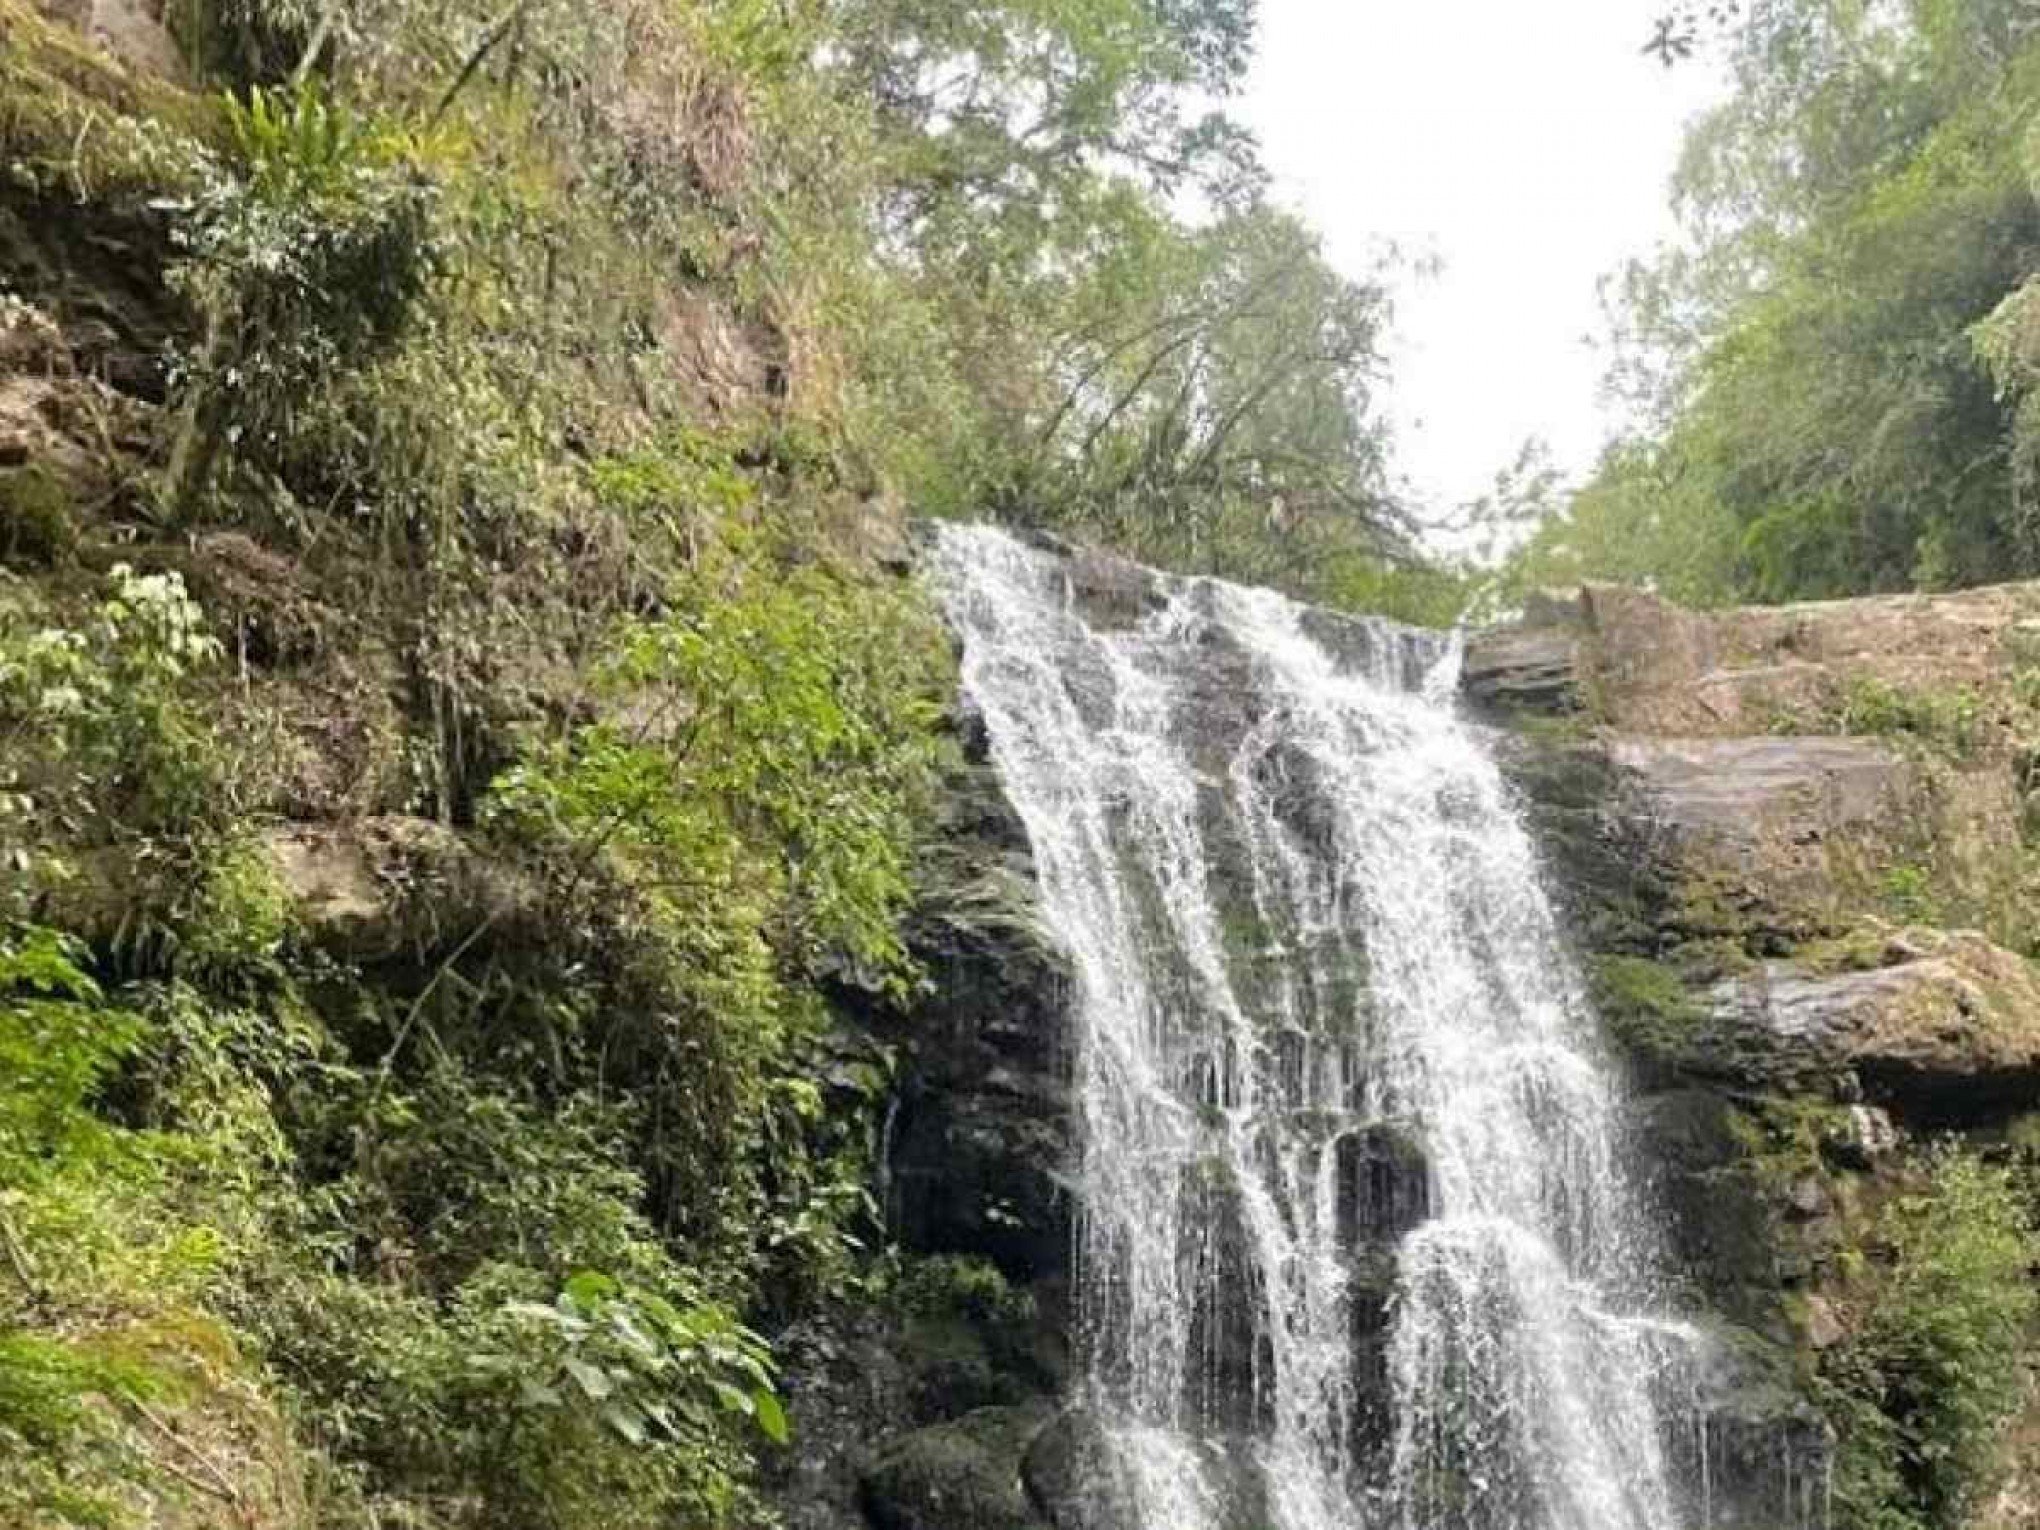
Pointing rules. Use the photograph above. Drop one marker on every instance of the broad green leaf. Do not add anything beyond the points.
(733, 1399)
(771, 1416)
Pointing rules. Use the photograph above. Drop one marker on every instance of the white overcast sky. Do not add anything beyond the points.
(1527, 145)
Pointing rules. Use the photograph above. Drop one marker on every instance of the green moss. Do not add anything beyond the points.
(1642, 987)
(1558, 730)
(1786, 1140)
(239, 911)
(1647, 1008)
(1713, 910)
(1908, 891)
(1858, 950)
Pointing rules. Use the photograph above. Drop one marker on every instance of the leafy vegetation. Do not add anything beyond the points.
(1931, 1370)
(244, 1141)
(1830, 369)
(465, 1232)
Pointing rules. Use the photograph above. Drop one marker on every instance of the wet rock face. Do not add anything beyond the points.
(1524, 670)
(978, 1145)
(1068, 1471)
(97, 271)
(1719, 1231)
(978, 1141)
(1789, 826)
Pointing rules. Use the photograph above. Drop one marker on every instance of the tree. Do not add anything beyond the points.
(1676, 33)
(1224, 419)
(1807, 360)
(1193, 387)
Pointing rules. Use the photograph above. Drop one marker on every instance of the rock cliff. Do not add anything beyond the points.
(1799, 846)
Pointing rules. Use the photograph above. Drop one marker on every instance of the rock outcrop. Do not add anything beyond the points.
(1798, 851)
(1642, 665)
(962, 1475)
(1944, 1029)
(918, 1419)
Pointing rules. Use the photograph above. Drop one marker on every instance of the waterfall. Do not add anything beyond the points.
(1355, 1244)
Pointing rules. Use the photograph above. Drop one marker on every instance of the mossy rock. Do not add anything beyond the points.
(956, 1367)
(963, 1475)
(1721, 1235)
(1650, 1013)
(1070, 1473)
(1667, 1017)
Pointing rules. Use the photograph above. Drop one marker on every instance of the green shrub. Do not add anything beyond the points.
(747, 832)
(1908, 891)
(72, 1189)
(305, 257)
(1933, 1366)
(611, 1384)
(959, 1285)
(102, 722)
(465, 1173)
(1949, 719)
(35, 517)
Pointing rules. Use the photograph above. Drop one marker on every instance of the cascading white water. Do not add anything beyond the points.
(1355, 1246)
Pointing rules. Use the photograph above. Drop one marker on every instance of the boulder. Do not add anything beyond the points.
(1947, 1032)
(962, 1475)
(861, 1377)
(1070, 1472)
(384, 887)
(1082, 1480)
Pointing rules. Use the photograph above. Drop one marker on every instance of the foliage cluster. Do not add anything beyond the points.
(1931, 1370)
(735, 832)
(484, 1216)
(1830, 372)
(239, 1141)
(100, 737)
(1950, 719)
(59, 1045)
(305, 260)
(951, 1285)
(961, 251)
